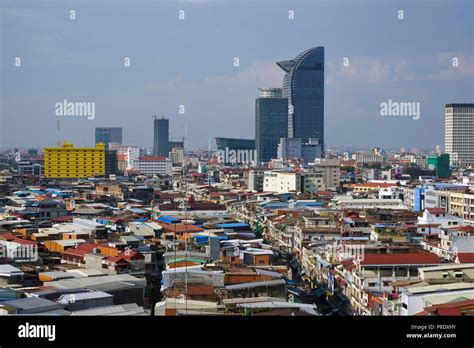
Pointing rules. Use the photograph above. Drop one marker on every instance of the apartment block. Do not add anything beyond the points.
(68, 161)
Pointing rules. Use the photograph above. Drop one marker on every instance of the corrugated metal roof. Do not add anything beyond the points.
(83, 296)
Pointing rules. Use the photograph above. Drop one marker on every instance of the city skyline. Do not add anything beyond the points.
(405, 60)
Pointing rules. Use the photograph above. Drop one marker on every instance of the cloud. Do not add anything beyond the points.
(360, 69)
(261, 73)
(403, 72)
(463, 70)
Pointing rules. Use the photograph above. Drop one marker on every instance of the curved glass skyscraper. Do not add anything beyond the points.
(303, 86)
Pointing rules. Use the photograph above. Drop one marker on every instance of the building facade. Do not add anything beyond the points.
(111, 162)
(161, 128)
(440, 164)
(290, 148)
(303, 86)
(330, 170)
(154, 165)
(459, 134)
(70, 162)
(271, 122)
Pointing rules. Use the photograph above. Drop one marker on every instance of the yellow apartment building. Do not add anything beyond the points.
(462, 205)
(72, 162)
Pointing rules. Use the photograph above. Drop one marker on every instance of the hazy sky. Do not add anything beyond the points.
(190, 62)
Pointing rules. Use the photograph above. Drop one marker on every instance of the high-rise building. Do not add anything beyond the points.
(271, 122)
(303, 86)
(440, 164)
(68, 161)
(234, 144)
(459, 134)
(108, 135)
(111, 162)
(161, 127)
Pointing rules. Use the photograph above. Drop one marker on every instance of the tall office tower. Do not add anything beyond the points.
(459, 134)
(108, 135)
(69, 162)
(271, 122)
(303, 86)
(161, 128)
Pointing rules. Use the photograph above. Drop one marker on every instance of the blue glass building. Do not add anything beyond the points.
(271, 122)
(303, 86)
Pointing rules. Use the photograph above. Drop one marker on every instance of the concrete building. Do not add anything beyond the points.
(348, 202)
(154, 165)
(177, 156)
(462, 204)
(255, 180)
(459, 134)
(69, 162)
(282, 182)
(416, 298)
(330, 170)
(433, 219)
(373, 156)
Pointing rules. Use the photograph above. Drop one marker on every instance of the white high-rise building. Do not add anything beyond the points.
(459, 134)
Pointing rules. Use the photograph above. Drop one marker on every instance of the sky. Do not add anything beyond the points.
(190, 62)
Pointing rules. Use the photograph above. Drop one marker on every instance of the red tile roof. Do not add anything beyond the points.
(181, 227)
(452, 308)
(75, 252)
(435, 210)
(24, 241)
(400, 259)
(375, 184)
(88, 247)
(465, 258)
(62, 219)
(152, 158)
(131, 255)
(463, 228)
(116, 259)
(8, 236)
